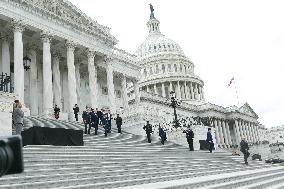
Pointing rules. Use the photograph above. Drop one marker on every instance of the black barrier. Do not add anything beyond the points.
(11, 155)
(52, 136)
(204, 145)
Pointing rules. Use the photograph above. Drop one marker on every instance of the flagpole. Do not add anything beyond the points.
(236, 92)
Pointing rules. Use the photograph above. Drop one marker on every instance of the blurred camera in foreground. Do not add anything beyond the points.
(11, 157)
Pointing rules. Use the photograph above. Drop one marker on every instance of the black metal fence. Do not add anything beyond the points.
(5, 83)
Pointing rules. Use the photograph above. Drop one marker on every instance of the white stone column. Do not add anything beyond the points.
(93, 79)
(238, 134)
(228, 133)
(72, 88)
(196, 92)
(110, 85)
(225, 133)
(18, 61)
(124, 93)
(217, 132)
(185, 90)
(5, 54)
(147, 89)
(191, 91)
(220, 132)
(47, 75)
(163, 90)
(178, 90)
(155, 89)
(254, 132)
(33, 96)
(57, 81)
(137, 92)
(171, 87)
(78, 82)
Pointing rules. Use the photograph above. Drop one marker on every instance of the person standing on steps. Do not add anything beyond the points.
(189, 137)
(100, 114)
(149, 130)
(18, 117)
(56, 112)
(118, 121)
(162, 134)
(109, 117)
(209, 140)
(86, 118)
(94, 121)
(244, 149)
(76, 111)
(105, 123)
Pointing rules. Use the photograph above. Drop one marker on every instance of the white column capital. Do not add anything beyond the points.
(90, 53)
(70, 45)
(17, 25)
(45, 37)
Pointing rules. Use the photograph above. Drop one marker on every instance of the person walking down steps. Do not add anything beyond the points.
(76, 111)
(149, 130)
(189, 137)
(245, 150)
(162, 134)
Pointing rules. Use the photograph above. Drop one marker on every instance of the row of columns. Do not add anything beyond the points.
(222, 133)
(247, 130)
(183, 90)
(241, 129)
(166, 68)
(51, 75)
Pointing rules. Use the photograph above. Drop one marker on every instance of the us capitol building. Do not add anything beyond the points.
(71, 59)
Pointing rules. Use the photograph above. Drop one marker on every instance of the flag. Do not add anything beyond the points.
(231, 81)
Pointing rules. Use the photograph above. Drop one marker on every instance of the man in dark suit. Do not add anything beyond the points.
(86, 118)
(244, 149)
(118, 120)
(209, 140)
(109, 117)
(100, 114)
(148, 129)
(94, 121)
(189, 136)
(162, 134)
(76, 111)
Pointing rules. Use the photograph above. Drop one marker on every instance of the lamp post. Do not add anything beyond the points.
(174, 104)
(26, 63)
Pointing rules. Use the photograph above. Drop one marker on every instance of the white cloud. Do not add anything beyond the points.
(244, 39)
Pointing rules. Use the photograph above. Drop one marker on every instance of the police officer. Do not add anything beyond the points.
(162, 134)
(148, 129)
(118, 120)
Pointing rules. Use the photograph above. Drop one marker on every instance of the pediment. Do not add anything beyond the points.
(246, 109)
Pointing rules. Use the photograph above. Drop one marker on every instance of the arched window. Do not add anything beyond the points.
(157, 69)
(175, 66)
(151, 71)
(145, 73)
(169, 67)
(163, 68)
(180, 68)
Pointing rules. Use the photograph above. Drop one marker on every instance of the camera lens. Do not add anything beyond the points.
(6, 158)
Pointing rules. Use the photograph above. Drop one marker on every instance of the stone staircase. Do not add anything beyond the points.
(128, 161)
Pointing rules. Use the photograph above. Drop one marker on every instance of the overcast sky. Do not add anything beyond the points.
(224, 39)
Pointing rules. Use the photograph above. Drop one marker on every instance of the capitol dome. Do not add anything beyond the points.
(157, 43)
(165, 67)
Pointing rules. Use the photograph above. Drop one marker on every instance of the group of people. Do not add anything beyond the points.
(17, 117)
(190, 136)
(94, 118)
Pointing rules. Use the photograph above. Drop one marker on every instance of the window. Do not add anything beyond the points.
(145, 73)
(163, 68)
(117, 93)
(169, 68)
(104, 91)
(180, 68)
(175, 67)
(157, 69)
